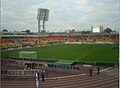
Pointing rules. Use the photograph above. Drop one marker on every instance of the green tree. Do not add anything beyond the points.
(108, 30)
(27, 31)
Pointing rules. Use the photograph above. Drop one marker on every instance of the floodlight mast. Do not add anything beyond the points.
(42, 16)
(39, 27)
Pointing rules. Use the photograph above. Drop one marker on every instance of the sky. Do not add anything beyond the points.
(20, 15)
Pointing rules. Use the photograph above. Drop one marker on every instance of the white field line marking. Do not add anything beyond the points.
(81, 57)
(66, 76)
(104, 69)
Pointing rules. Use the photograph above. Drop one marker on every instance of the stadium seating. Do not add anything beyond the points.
(10, 42)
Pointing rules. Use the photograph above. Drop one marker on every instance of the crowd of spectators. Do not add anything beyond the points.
(31, 41)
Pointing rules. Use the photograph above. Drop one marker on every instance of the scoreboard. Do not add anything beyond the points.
(96, 29)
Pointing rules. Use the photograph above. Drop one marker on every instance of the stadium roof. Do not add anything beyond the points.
(64, 62)
(28, 62)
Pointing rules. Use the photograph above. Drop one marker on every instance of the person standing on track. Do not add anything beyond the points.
(46, 74)
(91, 72)
(42, 75)
(98, 70)
(37, 80)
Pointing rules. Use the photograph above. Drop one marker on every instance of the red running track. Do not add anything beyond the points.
(79, 81)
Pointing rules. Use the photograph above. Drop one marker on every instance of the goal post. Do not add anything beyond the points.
(28, 54)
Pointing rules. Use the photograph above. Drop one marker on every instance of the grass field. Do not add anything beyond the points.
(82, 52)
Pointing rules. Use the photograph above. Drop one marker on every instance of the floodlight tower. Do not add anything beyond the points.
(42, 16)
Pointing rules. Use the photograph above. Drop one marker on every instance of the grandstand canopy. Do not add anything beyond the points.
(64, 62)
(28, 63)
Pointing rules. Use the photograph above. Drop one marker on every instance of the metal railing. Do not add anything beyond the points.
(62, 67)
(19, 72)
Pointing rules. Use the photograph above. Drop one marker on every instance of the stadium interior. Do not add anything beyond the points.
(24, 69)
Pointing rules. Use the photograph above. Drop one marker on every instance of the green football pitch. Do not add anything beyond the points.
(79, 52)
